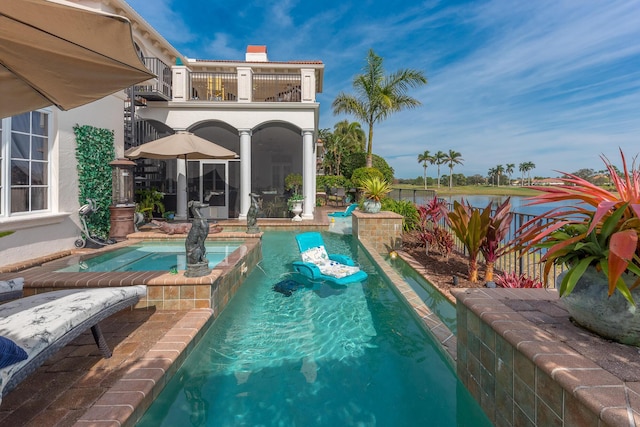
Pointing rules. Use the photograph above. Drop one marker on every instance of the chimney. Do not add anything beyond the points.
(256, 54)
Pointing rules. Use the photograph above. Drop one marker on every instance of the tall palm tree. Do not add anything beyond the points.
(439, 159)
(378, 95)
(531, 166)
(492, 175)
(453, 158)
(509, 170)
(522, 167)
(499, 172)
(424, 158)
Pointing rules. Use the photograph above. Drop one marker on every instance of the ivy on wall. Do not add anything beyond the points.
(94, 152)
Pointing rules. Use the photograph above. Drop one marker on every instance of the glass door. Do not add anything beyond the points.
(214, 188)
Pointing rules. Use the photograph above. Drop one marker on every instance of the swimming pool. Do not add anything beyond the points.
(150, 256)
(325, 356)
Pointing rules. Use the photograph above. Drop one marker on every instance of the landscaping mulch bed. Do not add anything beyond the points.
(440, 270)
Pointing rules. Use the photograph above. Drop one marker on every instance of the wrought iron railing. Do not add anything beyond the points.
(162, 83)
(277, 88)
(210, 86)
(529, 264)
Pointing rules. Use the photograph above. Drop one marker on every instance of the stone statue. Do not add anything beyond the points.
(197, 263)
(252, 215)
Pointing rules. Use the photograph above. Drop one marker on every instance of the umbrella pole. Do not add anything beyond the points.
(182, 196)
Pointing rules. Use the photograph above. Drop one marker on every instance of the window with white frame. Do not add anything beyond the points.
(24, 163)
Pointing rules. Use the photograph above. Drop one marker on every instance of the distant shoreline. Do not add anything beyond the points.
(474, 190)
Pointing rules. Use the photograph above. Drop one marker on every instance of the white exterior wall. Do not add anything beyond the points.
(240, 116)
(41, 234)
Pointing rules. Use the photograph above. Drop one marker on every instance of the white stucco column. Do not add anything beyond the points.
(245, 172)
(308, 172)
(181, 189)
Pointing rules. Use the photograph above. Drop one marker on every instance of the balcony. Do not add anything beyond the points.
(158, 89)
(213, 86)
(230, 83)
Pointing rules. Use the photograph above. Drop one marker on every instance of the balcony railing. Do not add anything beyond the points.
(277, 88)
(160, 88)
(214, 86)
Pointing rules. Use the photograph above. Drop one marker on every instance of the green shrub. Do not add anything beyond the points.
(94, 152)
(407, 209)
(359, 160)
(365, 173)
(324, 182)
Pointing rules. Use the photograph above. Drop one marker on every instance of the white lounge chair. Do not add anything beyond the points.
(42, 324)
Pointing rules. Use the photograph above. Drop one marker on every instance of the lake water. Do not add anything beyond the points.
(518, 203)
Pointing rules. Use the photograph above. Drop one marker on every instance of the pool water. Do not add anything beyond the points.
(324, 356)
(151, 256)
(438, 303)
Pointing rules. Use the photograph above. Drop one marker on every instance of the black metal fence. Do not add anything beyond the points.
(528, 264)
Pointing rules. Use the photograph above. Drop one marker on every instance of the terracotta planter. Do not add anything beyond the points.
(612, 317)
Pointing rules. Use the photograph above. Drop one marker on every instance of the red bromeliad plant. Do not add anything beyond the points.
(497, 230)
(470, 226)
(430, 232)
(599, 229)
(513, 280)
(480, 231)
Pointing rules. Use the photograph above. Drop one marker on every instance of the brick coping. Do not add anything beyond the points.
(602, 375)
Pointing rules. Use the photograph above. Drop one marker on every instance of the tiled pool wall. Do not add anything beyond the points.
(165, 291)
(518, 353)
(383, 230)
(527, 365)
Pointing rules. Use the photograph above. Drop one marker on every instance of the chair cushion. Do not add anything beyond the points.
(11, 285)
(317, 255)
(320, 258)
(337, 270)
(10, 352)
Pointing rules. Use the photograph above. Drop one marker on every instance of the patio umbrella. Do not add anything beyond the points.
(60, 53)
(180, 144)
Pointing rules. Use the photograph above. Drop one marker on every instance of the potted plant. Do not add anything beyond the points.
(596, 239)
(293, 183)
(295, 205)
(149, 201)
(374, 189)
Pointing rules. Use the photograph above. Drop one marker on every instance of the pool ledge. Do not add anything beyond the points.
(165, 291)
(427, 318)
(131, 395)
(526, 363)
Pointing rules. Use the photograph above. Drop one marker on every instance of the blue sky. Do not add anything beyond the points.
(554, 82)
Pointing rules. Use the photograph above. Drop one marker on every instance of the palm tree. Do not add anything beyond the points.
(352, 134)
(509, 170)
(527, 167)
(530, 166)
(453, 158)
(522, 167)
(492, 175)
(439, 159)
(499, 171)
(424, 158)
(378, 95)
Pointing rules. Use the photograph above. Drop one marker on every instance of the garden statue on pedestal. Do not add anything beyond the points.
(197, 263)
(252, 215)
